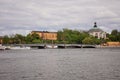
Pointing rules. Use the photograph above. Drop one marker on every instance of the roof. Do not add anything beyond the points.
(95, 30)
(44, 32)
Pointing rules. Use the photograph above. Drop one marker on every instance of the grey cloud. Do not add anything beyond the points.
(26, 15)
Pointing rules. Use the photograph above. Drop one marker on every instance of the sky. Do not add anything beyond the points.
(23, 16)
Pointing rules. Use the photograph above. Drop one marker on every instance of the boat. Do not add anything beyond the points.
(2, 47)
(51, 46)
(18, 47)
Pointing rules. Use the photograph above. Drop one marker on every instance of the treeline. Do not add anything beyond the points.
(76, 37)
(21, 39)
(114, 36)
(65, 36)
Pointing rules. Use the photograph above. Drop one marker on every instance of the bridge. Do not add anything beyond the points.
(62, 46)
(75, 46)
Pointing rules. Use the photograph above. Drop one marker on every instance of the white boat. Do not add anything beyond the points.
(51, 46)
(18, 47)
(2, 47)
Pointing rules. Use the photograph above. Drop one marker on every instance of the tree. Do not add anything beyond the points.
(71, 36)
(19, 39)
(33, 38)
(91, 40)
(35, 41)
(60, 35)
(114, 36)
(114, 32)
(88, 40)
(28, 39)
(82, 36)
(6, 39)
(119, 36)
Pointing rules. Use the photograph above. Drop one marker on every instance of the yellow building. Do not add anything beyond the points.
(113, 43)
(46, 35)
(1, 39)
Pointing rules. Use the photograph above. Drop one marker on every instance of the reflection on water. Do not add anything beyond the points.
(60, 64)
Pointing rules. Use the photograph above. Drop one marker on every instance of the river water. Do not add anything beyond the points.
(60, 64)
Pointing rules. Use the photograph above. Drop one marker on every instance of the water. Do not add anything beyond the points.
(60, 64)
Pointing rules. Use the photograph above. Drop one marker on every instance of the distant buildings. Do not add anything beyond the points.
(46, 35)
(97, 32)
(1, 39)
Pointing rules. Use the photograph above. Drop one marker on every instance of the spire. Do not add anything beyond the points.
(95, 25)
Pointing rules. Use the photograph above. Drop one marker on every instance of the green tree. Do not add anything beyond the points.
(59, 35)
(82, 36)
(114, 36)
(91, 40)
(19, 39)
(35, 41)
(71, 36)
(114, 32)
(88, 40)
(28, 39)
(6, 39)
(119, 36)
(33, 38)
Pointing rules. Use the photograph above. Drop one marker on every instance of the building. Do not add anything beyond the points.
(97, 32)
(46, 35)
(1, 39)
(113, 43)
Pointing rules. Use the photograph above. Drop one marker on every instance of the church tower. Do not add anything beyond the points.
(95, 25)
(97, 32)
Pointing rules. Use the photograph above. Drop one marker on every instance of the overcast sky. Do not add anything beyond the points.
(23, 16)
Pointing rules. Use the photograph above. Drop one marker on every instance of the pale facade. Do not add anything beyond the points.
(46, 35)
(97, 32)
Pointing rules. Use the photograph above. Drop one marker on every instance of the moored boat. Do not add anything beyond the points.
(2, 47)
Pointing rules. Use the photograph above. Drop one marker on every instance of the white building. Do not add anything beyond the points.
(97, 32)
